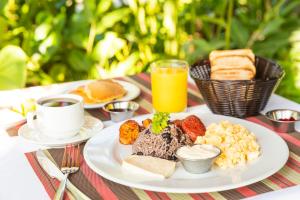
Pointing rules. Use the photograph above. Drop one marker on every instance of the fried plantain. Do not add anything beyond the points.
(129, 131)
(146, 123)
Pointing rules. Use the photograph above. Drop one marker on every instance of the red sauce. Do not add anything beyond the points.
(287, 119)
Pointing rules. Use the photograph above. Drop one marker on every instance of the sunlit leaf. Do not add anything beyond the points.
(42, 31)
(110, 19)
(12, 67)
(2, 5)
(103, 6)
(133, 5)
(170, 18)
(50, 44)
(108, 47)
(89, 9)
(142, 20)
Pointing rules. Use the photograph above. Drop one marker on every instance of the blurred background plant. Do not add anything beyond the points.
(48, 41)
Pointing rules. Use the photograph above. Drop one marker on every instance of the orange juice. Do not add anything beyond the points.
(169, 86)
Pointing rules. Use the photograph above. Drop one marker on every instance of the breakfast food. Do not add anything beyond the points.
(80, 91)
(193, 126)
(162, 145)
(197, 151)
(149, 166)
(236, 52)
(146, 123)
(235, 64)
(238, 145)
(160, 137)
(100, 91)
(129, 131)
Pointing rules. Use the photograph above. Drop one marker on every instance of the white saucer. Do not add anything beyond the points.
(91, 127)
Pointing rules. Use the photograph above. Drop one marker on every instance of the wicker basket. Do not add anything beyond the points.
(238, 98)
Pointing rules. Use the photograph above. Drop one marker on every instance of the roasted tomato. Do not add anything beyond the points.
(129, 131)
(146, 123)
(178, 123)
(193, 127)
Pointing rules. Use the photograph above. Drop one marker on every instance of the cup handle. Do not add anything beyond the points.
(297, 126)
(30, 120)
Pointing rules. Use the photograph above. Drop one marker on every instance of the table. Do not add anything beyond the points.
(19, 181)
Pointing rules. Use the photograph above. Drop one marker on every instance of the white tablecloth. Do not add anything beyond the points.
(18, 180)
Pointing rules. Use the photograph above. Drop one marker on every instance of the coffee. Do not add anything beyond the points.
(58, 102)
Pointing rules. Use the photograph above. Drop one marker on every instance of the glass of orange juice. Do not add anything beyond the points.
(169, 85)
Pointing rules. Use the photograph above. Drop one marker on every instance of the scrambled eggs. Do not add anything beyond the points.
(238, 144)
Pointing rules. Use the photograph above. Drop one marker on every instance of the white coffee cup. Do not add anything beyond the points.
(58, 116)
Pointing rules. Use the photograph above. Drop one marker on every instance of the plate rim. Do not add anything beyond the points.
(186, 190)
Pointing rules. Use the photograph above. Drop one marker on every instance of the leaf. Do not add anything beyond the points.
(2, 5)
(3, 29)
(141, 19)
(89, 9)
(121, 68)
(111, 18)
(42, 31)
(108, 47)
(239, 33)
(272, 27)
(270, 46)
(58, 72)
(289, 8)
(170, 18)
(103, 6)
(200, 48)
(12, 67)
(50, 46)
(79, 61)
(78, 30)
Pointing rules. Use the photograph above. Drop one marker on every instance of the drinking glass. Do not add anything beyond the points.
(169, 85)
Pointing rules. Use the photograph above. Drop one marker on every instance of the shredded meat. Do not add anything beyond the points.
(163, 145)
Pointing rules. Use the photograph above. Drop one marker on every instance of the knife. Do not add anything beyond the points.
(52, 170)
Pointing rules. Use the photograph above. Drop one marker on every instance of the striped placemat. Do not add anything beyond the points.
(97, 187)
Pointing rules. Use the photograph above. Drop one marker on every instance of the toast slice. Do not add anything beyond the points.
(232, 62)
(236, 74)
(228, 53)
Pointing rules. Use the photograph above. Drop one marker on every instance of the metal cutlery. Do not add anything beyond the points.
(70, 164)
(52, 170)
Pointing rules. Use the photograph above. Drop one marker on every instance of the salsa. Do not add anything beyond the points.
(287, 119)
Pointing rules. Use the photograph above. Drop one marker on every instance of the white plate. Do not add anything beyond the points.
(91, 127)
(103, 153)
(132, 92)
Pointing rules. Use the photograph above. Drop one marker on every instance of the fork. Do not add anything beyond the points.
(70, 164)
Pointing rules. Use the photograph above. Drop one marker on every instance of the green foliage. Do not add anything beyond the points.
(12, 67)
(67, 40)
